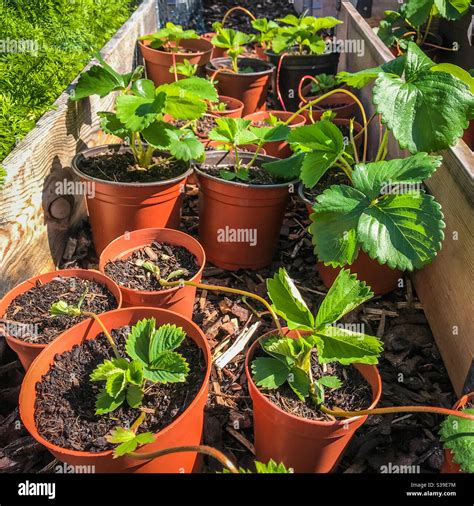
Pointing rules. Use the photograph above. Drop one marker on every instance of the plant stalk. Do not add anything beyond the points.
(397, 409)
(104, 330)
(205, 450)
(218, 288)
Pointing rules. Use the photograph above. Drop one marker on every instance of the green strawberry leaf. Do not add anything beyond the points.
(426, 111)
(120, 435)
(457, 435)
(115, 384)
(167, 338)
(134, 396)
(137, 112)
(199, 87)
(269, 372)
(346, 347)
(110, 124)
(299, 382)
(330, 381)
(108, 368)
(105, 403)
(134, 373)
(287, 169)
(167, 367)
(185, 146)
(345, 294)
(233, 131)
(271, 468)
(138, 341)
(288, 302)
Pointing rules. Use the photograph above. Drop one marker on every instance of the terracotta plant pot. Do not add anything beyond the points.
(260, 52)
(340, 103)
(252, 148)
(239, 224)
(449, 466)
(307, 446)
(234, 108)
(159, 62)
(27, 352)
(117, 208)
(250, 87)
(279, 149)
(186, 429)
(381, 278)
(177, 299)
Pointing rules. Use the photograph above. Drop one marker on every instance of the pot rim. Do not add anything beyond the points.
(223, 98)
(269, 66)
(197, 53)
(78, 453)
(375, 394)
(271, 53)
(66, 273)
(120, 148)
(244, 185)
(156, 231)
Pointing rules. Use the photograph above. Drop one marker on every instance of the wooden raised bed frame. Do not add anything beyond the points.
(445, 286)
(34, 222)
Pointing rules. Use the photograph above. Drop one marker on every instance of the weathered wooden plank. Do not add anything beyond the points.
(31, 238)
(445, 286)
(329, 7)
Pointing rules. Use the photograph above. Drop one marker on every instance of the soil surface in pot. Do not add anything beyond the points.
(202, 126)
(257, 175)
(121, 167)
(65, 401)
(169, 258)
(32, 307)
(354, 394)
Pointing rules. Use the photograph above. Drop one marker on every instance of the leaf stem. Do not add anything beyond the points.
(237, 8)
(205, 450)
(104, 330)
(345, 167)
(397, 409)
(382, 147)
(218, 288)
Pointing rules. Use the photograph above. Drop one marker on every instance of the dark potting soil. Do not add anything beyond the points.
(121, 167)
(354, 394)
(202, 126)
(130, 273)
(31, 308)
(257, 175)
(65, 398)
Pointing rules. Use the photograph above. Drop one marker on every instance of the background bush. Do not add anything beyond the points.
(67, 33)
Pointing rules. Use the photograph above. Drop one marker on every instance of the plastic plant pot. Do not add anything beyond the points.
(158, 62)
(228, 209)
(307, 446)
(116, 208)
(177, 299)
(27, 352)
(251, 88)
(186, 429)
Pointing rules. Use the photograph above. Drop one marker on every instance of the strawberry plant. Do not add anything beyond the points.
(457, 435)
(301, 35)
(140, 109)
(266, 31)
(290, 359)
(169, 37)
(236, 132)
(323, 83)
(186, 69)
(151, 359)
(233, 42)
(414, 19)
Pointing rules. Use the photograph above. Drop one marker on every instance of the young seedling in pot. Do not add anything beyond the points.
(414, 19)
(267, 30)
(140, 108)
(236, 132)
(170, 37)
(288, 358)
(156, 271)
(234, 42)
(185, 69)
(302, 35)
